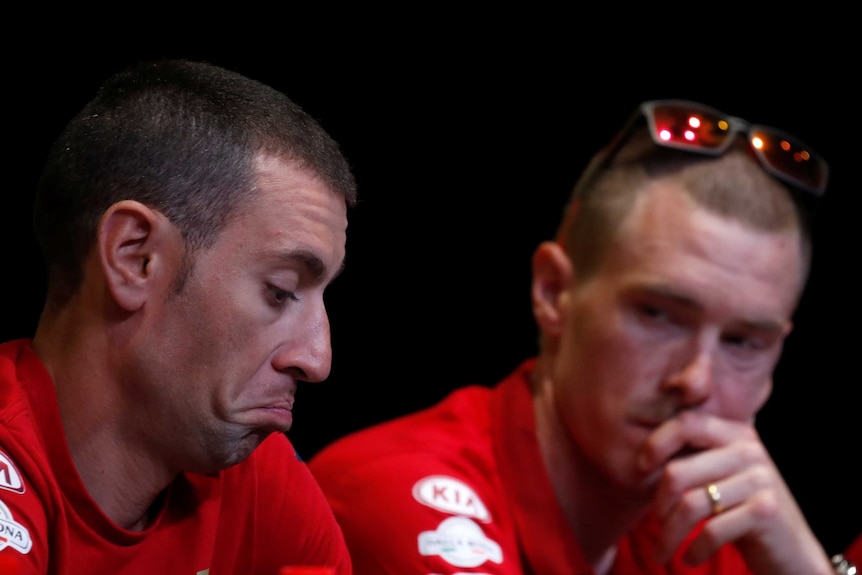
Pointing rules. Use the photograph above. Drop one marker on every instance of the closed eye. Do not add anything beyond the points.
(278, 297)
(652, 313)
(740, 341)
(751, 342)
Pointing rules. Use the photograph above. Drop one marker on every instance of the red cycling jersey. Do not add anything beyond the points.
(251, 519)
(461, 488)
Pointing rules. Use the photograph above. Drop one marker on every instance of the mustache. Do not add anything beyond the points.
(655, 413)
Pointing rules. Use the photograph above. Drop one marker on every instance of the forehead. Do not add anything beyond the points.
(668, 237)
(291, 211)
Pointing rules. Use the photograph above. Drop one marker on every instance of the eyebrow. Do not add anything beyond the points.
(311, 262)
(765, 325)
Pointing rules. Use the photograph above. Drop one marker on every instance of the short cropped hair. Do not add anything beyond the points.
(732, 185)
(181, 137)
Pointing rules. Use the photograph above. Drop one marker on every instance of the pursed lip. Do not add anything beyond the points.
(277, 416)
(287, 404)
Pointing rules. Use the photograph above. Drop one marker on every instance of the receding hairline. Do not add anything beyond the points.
(731, 185)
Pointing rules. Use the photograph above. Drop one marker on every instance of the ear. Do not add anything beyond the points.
(136, 245)
(553, 274)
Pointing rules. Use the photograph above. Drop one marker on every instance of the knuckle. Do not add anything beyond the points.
(764, 506)
(751, 452)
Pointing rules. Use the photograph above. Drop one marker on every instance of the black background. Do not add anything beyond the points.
(465, 137)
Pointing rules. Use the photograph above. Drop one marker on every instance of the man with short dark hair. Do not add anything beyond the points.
(191, 219)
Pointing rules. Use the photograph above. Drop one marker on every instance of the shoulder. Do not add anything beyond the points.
(24, 432)
(12, 397)
(412, 445)
(29, 492)
(401, 487)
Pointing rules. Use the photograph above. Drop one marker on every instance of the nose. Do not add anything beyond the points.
(306, 352)
(692, 381)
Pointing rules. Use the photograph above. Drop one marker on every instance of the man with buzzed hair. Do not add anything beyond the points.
(627, 445)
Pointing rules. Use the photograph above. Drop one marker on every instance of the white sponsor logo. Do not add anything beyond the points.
(460, 542)
(12, 533)
(9, 477)
(450, 495)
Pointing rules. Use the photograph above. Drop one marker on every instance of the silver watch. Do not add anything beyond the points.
(842, 566)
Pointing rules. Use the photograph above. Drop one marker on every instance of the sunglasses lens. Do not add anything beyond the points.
(789, 158)
(686, 125)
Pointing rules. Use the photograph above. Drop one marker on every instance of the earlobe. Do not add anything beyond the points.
(127, 246)
(553, 274)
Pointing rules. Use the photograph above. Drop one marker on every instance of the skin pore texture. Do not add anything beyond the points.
(666, 350)
(247, 325)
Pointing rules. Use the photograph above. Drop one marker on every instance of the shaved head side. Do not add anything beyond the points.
(733, 185)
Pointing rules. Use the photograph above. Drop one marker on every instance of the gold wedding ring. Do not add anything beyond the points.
(714, 498)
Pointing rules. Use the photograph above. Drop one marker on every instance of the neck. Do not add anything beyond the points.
(108, 448)
(598, 510)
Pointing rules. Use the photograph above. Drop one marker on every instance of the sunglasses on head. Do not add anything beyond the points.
(697, 128)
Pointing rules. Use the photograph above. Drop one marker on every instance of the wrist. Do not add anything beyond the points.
(842, 566)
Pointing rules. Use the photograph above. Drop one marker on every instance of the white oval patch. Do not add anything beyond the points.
(460, 542)
(451, 496)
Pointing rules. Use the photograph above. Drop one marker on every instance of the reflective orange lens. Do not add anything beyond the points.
(698, 128)
(786, 157)
(689, 126)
